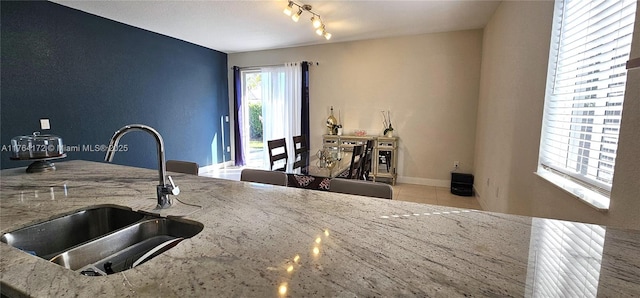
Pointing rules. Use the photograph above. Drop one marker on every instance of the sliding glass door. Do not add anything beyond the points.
(271, 101)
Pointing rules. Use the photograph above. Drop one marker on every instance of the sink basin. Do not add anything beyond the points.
(49, 238)
(128, 247)
(102, 240)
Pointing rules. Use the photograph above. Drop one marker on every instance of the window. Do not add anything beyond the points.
(590, 45)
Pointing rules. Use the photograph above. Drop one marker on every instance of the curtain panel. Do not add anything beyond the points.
(304, 125)
(238, 116)
(281, 106)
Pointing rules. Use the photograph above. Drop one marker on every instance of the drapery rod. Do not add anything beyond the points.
(272, 65)
(633, 63)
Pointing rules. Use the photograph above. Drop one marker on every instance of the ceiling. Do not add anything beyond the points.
(245, 25)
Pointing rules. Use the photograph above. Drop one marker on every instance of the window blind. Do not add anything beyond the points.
(590, 46)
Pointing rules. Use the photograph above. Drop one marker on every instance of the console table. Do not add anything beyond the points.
(384, 155)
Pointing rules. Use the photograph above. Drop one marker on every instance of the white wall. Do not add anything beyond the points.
(513, 76)
(430, 83)
(625, 195)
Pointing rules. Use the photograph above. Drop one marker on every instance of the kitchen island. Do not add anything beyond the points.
(269, 241)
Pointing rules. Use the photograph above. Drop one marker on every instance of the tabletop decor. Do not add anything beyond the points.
(339, 126)
(332, 124)
(386, 121)
(360, 133)
(326, 159)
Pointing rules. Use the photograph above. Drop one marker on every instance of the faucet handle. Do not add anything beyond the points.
(174, 189)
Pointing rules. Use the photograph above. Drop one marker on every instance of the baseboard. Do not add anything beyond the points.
(482, 203)
(424, 181)
(214, 167)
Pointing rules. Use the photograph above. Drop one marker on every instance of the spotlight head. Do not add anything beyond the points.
(296, 17)
(320, 30)
(315, 20)
(327, 35)
(289, 9)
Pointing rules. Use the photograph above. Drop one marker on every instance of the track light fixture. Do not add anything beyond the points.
(316, 21)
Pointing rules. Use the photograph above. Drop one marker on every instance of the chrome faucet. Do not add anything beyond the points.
(163, 189)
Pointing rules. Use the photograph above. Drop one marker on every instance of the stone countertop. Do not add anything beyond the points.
(258, 239)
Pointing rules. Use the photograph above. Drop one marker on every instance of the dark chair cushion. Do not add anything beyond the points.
(308, 182)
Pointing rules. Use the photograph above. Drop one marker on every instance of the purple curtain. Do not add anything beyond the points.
(304, 119)
(304, 129)
(239, 117)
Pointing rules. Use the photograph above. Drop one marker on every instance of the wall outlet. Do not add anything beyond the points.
(226, 118)
(45, 124)
(228, 148)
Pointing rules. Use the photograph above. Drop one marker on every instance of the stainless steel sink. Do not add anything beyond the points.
(102, 240)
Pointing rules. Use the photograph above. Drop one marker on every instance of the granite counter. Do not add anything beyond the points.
(269, 241)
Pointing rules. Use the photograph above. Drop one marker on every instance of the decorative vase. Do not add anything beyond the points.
(389, 134)
(332, 124)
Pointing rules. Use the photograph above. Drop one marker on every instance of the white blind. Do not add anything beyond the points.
(590, 46)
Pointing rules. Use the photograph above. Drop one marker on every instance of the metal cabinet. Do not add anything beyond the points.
(384, 156)
(385, 159)
(339, 144)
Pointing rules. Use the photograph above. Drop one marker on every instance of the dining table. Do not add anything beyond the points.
(316, 167)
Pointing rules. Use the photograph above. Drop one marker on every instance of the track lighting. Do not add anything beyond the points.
(316, 21)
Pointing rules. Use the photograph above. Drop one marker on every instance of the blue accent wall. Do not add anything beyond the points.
(90, 76)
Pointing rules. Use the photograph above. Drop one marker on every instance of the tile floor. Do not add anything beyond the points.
(433, 195)
(401, 192)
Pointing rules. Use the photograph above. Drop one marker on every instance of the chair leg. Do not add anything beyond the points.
(387, 158)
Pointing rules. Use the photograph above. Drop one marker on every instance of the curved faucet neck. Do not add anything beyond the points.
(113, 145)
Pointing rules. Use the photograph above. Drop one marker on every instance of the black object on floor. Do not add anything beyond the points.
(462, 184)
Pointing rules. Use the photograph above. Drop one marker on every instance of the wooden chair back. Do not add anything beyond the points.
(356, 160)
(300, 151)
(278, 154)
(365, 164)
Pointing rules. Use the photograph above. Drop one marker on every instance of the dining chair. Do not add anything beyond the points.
(356, 159)
(180, 166)
(278, 154)
(365, 164)
(361, 188)
(264, 176)
(300, 151)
